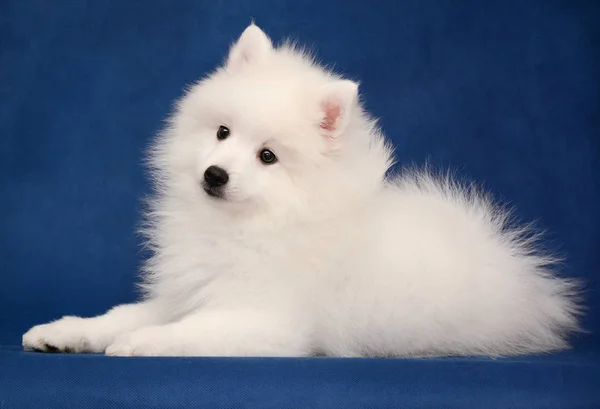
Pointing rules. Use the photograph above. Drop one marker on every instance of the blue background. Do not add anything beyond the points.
(504, 92)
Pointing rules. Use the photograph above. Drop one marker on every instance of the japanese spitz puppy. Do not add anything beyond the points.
(276, 232)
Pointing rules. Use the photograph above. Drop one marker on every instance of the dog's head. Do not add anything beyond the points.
(269, 129)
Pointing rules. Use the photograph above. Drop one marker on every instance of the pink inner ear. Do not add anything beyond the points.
(332, 112)
(246, 57)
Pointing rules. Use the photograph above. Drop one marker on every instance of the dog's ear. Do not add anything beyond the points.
(252, 45)
(338, 100)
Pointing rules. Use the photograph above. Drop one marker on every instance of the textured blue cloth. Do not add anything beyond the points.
(64, 381)
(505, 92)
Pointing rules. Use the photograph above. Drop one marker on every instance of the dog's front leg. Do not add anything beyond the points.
(77, 334)
(219, 333)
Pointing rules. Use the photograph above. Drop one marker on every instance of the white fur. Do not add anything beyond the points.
(319, 253)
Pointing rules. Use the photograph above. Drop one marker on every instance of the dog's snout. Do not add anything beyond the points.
(216, 176)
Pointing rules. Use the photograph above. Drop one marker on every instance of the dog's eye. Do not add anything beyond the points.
(222, 133)
(267, 157)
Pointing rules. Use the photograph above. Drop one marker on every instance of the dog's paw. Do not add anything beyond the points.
(151, 341)
(69, 334)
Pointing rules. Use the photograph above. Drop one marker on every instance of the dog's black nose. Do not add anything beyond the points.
(215, 176)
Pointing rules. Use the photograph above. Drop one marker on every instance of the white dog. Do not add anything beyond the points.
(275, 232)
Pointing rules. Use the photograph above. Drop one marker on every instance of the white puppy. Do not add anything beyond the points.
(275, 232)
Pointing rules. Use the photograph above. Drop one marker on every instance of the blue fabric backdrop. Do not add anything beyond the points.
(505, 92)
